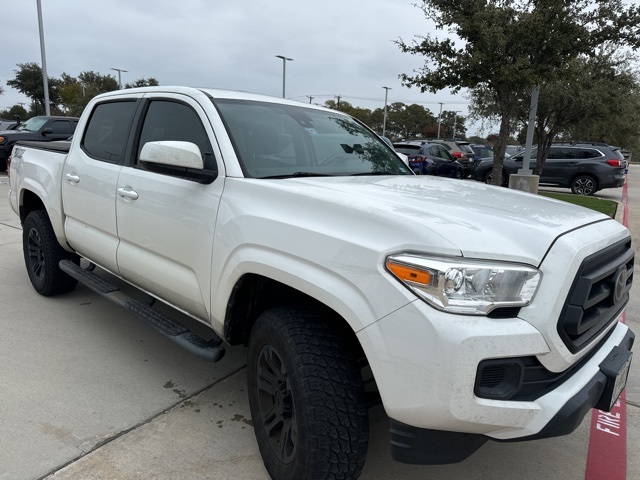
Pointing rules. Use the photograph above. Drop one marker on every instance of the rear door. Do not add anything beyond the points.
(560, 166)
(165, 219)
(89, 181)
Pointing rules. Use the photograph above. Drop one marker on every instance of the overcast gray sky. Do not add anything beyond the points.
(339, 47)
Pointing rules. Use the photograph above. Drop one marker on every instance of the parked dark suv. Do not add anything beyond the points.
(430, 159)
(583, 167)
(462, 151)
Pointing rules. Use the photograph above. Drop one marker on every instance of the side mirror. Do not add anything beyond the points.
(172, 153)
(181, 159)
(46, 131)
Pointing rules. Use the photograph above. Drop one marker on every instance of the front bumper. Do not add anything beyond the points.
(415, 445)
(426, 370)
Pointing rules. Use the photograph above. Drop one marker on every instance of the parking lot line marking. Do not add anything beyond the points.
(607, 452)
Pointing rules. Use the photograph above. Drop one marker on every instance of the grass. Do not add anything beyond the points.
(607, 207)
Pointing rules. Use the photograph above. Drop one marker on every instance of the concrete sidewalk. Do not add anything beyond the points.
(88, 392)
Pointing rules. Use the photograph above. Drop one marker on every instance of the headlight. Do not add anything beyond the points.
(3, 139)
(470, 287)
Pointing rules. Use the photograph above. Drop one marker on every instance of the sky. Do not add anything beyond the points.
(338, 47)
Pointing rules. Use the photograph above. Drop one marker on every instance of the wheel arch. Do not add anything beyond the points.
(253, 294)
(32, 198)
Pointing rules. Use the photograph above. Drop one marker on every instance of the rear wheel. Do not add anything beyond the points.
(584, 185)
(307, 397)
(42, 254)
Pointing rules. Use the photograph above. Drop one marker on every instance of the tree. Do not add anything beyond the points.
(409, 121)
(75, 93)
(362, 114)
(28, 81)
(452, 125)
(15, 111)
(606, 103)
(598, 99)
(143, 82)
(509, 46)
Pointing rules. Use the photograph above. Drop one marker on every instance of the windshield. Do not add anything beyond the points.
(277, 141)
(31, 125)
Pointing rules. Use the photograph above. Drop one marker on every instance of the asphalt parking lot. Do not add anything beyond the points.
(88, 392)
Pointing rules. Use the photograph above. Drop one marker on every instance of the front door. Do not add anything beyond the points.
(165, 221)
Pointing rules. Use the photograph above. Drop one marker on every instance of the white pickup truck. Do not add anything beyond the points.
(471, 312)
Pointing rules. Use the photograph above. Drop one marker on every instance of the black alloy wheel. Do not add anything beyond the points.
(307, 398)
(42, 255)
(584, 185)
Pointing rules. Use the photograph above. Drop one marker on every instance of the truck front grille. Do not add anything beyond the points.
(598, 295)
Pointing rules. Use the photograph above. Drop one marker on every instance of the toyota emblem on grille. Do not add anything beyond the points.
(620, 284)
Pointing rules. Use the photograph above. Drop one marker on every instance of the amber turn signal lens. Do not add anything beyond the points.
(409, 274)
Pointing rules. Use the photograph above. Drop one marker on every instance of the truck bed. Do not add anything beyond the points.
(61, 146)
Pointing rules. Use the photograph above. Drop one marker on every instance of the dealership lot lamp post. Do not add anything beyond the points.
(45, 81)
(119, 70)
(455, 118)
(384, 118)
(439, 120)
(284, 70)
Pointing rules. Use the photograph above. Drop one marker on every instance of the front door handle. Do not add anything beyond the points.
(128, 192)
(72, 177)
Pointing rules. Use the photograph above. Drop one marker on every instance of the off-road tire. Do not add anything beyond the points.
(306, 396)
(42, 254)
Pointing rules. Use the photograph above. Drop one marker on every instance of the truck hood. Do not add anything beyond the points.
(472, 219)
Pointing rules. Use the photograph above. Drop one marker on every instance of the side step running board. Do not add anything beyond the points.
(212, 350)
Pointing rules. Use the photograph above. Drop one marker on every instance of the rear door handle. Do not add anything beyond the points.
(128, 192)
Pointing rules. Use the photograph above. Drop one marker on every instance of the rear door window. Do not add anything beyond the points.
(589, 153)
(106, 134)
(61, 127)
(564, 153)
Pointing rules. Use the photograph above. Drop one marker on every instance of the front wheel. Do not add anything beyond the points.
(306, 396)
(584, 185)
(488, 178)
(42, 254)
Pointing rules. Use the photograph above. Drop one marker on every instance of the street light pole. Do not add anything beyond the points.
(384, 118)
(455, 118)
(284, 71)
(45, 81)
(119, 70)
(439, 119)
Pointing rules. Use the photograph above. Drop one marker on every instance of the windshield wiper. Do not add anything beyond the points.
(299, 174)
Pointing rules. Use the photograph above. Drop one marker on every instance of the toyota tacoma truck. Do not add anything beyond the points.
(471, 312)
